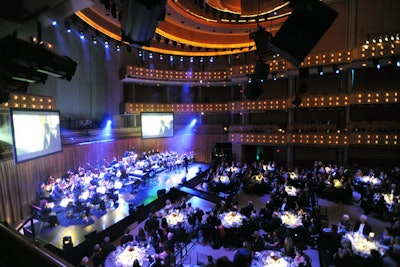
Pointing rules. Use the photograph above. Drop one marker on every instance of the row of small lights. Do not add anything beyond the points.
(326, 139)
(216, 107)
(320, 101)
(24, 101)
(337, 58)
(382, 37)
(139, 71)
(376, 98)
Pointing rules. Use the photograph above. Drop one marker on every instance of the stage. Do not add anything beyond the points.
(118, 214)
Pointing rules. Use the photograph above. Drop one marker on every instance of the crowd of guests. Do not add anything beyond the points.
(340, 249)
(293, 190)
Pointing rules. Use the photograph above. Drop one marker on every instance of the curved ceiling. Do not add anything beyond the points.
(197, 27)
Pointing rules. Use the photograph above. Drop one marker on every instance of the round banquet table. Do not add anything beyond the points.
(124, 256)
(291, 220)
(232, 219)
(271, 258)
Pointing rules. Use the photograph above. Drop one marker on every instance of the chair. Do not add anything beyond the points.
(323, 212)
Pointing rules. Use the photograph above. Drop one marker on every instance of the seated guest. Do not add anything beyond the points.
(344, 256)
(168, 206)
(141, 235)
(246, 211)
(189, 209)
(299, 259)
(85, 262)
(126, 238)
(257, 243)
(284, 206)
(362, 226)
(273, 241)
(169, 243)
(242, 256)
(274, 223)
(387, 239)
(332, 240)
(221, 207)
(97, 256)
(107, 247)
(136, 263)
(210, 262)
(288, 247)
(344, 223)
(182, 204)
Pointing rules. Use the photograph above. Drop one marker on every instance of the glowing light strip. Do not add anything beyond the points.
(201, 44)
(114, 36)
(93, 24)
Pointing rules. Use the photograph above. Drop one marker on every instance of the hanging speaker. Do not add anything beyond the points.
(253, 90)
(297, 101)
(309, 21)
(140, 19)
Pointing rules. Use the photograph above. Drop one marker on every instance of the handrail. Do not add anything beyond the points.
(38, 255)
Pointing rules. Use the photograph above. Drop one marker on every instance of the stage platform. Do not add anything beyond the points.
(135, 200)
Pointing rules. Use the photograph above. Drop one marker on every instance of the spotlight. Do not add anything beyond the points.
(150, 55)
(140, 53)
(201, 60)
(68, 27)
(118, 47)
(320, 70)
(94, 39)
(54, 23)
(395, 62)
(181, 59)
(274, 76)
(211, 59)
(377, 64)
(191, 60)
(171, 58)
(106, 44)
(335, 69)
(161, 57)
(81, 35)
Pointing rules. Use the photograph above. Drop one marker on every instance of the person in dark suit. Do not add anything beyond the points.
(107, 247)
(332, 240)
(362, 226)
(126, 238)
(285, 206)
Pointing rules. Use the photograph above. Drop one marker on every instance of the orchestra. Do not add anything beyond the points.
(78, 191)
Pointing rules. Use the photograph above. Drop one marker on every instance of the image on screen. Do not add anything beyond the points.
(35, 133)
(157, 124)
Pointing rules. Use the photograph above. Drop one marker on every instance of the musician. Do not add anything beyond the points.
(47, 187)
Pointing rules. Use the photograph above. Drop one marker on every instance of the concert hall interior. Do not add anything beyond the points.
(122, 121)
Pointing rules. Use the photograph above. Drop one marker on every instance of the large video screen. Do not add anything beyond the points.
(35, 133)
(157, 124)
